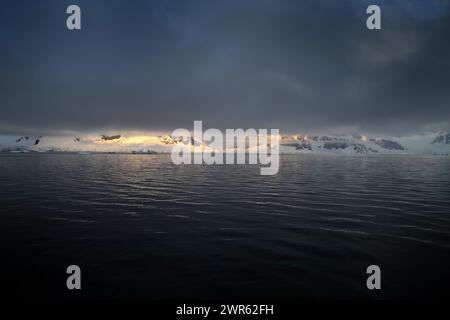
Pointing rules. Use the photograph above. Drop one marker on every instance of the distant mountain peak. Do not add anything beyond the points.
(443, 137)
(390, 145)
(341, 143)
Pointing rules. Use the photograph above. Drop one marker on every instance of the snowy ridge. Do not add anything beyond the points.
(433, 144)
(426, 144)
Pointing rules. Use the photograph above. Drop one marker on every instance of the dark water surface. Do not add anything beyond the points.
(141, 227)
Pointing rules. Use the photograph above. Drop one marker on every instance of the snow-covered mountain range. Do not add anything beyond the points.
(437, 143)
(433, 144)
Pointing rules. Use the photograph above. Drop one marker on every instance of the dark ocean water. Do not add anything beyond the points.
(141, 227)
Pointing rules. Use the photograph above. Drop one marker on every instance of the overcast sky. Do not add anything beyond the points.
(159, 65)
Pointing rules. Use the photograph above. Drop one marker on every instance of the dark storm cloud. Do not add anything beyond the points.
(160, 65)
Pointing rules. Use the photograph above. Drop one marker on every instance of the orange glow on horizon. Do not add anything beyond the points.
(131, 140)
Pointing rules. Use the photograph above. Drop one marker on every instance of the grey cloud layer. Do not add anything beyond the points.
(294, 65)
